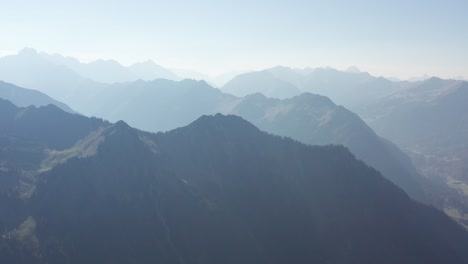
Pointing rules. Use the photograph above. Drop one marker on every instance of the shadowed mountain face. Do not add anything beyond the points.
(316, 120)
(33, 139)
(161, 105)
(26, 97)
(45, 125)
(429, 121)
(216, 191)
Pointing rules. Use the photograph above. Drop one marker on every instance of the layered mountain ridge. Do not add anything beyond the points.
(216, 191)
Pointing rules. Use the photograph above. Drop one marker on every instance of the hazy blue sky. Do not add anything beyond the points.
(399, 38)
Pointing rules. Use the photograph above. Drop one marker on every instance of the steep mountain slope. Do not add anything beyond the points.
(221, 191)
(26, 97)
(45, 125)
(32, 139)
(316, 120)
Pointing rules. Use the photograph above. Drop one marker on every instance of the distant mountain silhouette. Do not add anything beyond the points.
(106, 71)
(158, 105)
(353, 69)
(67, 79)
(352, 89)
(263, 82)
(26, 97)
(30, 69)
(191, 74)
(110, 71)
(221, 79)
(216, 191)
(216, 81)
(393, 79)
(419, 78)
(148, 70)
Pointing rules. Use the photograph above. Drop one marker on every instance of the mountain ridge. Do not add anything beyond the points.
(220, 190)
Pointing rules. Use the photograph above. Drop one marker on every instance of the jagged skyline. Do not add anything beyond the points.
(389, 38)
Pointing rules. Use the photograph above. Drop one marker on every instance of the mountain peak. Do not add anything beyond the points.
(28, 52)
(104, 62)
(119, 128)
(325, 70)
(353, 69)
(434, 79)
(419, 78)
(434, 82)
(149, 70)
(314, 99)
(256, 97)
(280, 68)
(219, 119)
(121, 125)
(225, 124)
(147, 62)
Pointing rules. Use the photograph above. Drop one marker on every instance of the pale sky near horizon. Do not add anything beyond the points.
(389, 38)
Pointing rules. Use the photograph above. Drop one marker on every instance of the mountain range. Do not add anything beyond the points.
(67, 79)
(352, 89)
(162, 105)
(216, 191)
(424, 117)
(110, 71)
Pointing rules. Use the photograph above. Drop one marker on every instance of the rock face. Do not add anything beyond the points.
(216, 191)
